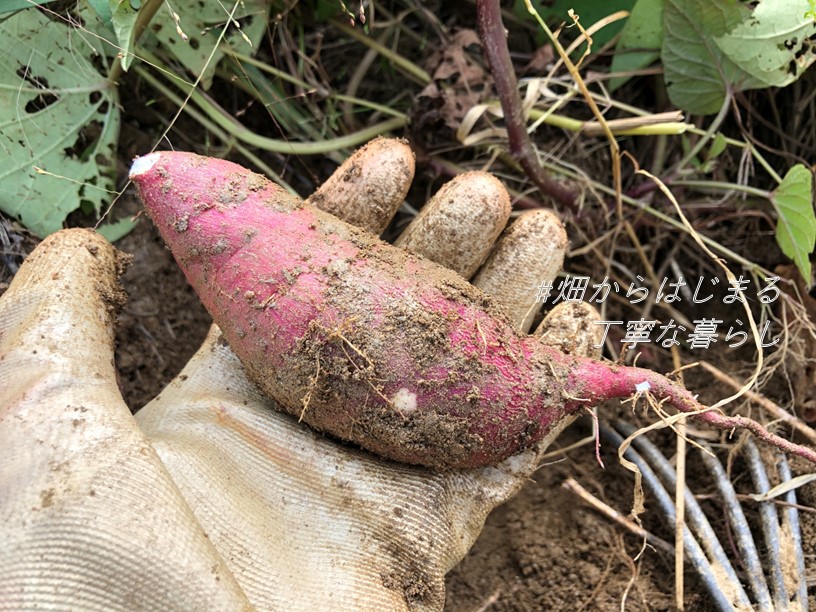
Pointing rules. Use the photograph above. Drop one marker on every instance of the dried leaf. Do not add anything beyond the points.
(781, 489)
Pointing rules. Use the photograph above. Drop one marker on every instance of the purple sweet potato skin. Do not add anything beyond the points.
(363, 340)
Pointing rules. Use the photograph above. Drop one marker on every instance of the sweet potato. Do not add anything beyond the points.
(365, 341)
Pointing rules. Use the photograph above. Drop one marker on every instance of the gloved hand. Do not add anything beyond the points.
(209, 498)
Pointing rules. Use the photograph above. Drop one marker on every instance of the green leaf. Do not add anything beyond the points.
(709, 161)
(202, 22)
(102, 9)
(696, 71)
(116, 230)
(7, 6)
(640, 40)
(123, 20)
(588, 11)
(57, 113)
(120, 16)
(715, 47)
(796, 229)
(717, 146)
(773, 45)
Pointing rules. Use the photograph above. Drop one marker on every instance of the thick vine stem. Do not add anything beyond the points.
(494, 42)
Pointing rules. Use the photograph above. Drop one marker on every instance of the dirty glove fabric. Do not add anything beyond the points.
(209, 498)
(89, 516)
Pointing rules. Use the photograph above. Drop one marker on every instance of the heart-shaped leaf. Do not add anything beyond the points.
(715, 47)
(796, 229)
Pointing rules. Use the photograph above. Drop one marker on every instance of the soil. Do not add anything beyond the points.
(544, 550)
(163, 323)
(547, 550)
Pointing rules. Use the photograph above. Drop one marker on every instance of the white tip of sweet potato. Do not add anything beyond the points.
(143, 164)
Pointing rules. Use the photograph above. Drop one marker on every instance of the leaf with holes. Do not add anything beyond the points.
(776, 45)
(58, 114)
(8, 6)
(796, 229)
(698, 74)
(712, 48)
(201, 23)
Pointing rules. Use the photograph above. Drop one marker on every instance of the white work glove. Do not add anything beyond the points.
(210, 499)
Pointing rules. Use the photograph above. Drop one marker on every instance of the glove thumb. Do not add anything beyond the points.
(89, 517)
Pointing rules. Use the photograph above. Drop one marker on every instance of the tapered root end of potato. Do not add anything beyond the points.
(458, 226)
(369, 187)
(594, 382)
(529, 252)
